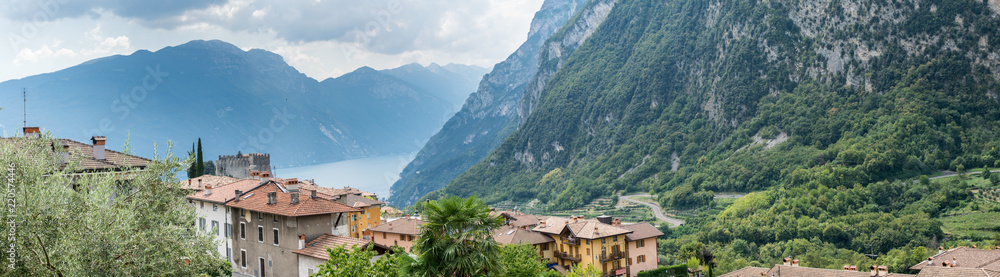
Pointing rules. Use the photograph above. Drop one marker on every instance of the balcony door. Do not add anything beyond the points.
(261, 262)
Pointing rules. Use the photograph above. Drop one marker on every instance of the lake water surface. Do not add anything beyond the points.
(370, 174)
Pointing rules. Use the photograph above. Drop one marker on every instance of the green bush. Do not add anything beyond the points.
(666, 271)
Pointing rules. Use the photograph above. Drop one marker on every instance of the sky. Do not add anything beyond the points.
(321, 38)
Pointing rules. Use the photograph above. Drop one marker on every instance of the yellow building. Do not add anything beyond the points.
(370, 214)
(581, 242)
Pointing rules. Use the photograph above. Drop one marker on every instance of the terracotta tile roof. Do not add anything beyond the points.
(358, 201)
(199, 183)
(317, 247)
(593, 229)
(553, 225)
(519, 220)
(746, 272)
(226, 192)
(514, 235)
(84, 154)
(957, 272)
(256, 200)
(796, 271)
(405, 226)
(966, 257)
(642, 230)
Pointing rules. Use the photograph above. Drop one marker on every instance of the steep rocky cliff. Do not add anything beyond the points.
(488, 116)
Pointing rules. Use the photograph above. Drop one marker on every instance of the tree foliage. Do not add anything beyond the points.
(456, 240)
(68, 224)
(356, 261)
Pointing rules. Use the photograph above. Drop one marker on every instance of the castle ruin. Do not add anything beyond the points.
(239, 166)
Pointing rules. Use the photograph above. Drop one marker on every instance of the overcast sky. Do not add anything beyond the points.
(321, 38)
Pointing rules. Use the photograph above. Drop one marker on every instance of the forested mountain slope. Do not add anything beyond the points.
(822, 104)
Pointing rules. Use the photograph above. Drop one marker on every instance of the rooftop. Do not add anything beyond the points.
(642, 230)
(225, 192)
(358, 201)
(581, 228)
(964, 257)
(199, 183)
(256, 200)
(514, 235)
(405, 226)
(317, 247)
(84, 154)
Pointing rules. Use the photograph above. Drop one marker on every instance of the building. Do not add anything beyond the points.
(510, 234)
(312, 254)
(791, 268)
(641, 246)
(962, 257)
(213, 216)
(400, 232)
(517, 219)
(368, 216)
(270, 221)
(239, 165)
(199, 183)
(581, 242)
(93, 158)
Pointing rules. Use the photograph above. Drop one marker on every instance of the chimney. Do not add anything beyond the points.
(265, 175)
(595, 230)
(795, 262)
(32, 132)
(237, 197)
(973, 246)
(313, 194)
(98, 147)
(788, 261)
(954, 262)
(292, 184)
(272, 198)
(847, 267)
(295, 198)
(302, 241)
(254, 174)
(883, 271)
(874, 271)
(64, 155)
(208, 189)
(199, 182)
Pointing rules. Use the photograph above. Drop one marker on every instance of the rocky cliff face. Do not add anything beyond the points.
(488, 115)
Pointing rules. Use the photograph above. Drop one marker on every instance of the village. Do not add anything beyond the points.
(266, 225)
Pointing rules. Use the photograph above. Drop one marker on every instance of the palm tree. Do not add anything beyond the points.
(456, 240)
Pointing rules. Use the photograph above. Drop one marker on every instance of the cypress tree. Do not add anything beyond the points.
(201, 161)
(193, 166)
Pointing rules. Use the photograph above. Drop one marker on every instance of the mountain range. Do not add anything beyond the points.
(236, 100)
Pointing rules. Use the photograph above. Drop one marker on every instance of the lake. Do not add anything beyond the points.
(370, 174)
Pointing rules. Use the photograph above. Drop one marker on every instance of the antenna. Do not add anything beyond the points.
(24, 94)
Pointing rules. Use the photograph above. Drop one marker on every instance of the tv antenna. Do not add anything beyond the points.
(24, 95)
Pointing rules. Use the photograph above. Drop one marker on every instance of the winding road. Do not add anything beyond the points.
(657, 211)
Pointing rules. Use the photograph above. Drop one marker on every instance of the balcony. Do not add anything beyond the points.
(570, 241)
(613, 256)
(613, 273)
(567, 256)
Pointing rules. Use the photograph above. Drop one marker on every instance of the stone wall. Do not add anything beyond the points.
(239, 166)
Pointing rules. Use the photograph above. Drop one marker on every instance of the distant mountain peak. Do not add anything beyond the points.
(214, 44)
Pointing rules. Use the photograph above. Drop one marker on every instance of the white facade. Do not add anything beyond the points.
(213, 219)
(308, 265)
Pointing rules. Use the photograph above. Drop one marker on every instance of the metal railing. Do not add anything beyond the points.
(612, 256)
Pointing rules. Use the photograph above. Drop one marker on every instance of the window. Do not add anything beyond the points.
(260, 216)
(229, 254)
(369, 215)
(354, 217)
(227, 210)
(588, 241)
(201, 223)
(383, 235)
(202, 204)
(190, 201)
(229, 230)
(588, 251)
(243, 231)
(363, 212)
(215, 226)
(354, 229)
(602, 241)
(640, 243)
(260, 233)
(640, 259)
(243, 258)
(215, 207)
(274, 218)
(275, 232)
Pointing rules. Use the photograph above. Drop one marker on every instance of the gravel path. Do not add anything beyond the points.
(657, 211)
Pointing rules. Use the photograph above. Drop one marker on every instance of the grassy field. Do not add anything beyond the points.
(975, 225)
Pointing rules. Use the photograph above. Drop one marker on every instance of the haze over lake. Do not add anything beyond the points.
(370, 174)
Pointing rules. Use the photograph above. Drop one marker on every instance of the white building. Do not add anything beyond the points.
(213, 214)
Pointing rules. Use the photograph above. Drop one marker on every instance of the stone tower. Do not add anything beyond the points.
(239, 166)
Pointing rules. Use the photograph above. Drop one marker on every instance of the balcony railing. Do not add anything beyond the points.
(612, 273)
(570, 241)
(567, 256)
(613, 256)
